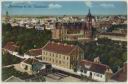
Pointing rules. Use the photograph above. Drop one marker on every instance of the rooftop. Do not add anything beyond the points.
(11, 46)
(14, 79)
(30, 61)
(92, 66)
(59, 48)
(114, 34)
(121, 75)
(35, 52)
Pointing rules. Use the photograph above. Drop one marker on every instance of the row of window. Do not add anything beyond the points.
(98, 75)
(57, 55)
(55, 61)
(95, 74)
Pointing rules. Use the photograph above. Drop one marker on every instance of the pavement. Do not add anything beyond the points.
(64, 79)
(60, 77)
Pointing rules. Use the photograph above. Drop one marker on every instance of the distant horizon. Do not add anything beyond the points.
(57, 15)
(60, 8)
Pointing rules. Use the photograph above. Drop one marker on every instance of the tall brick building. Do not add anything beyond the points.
(73, 31)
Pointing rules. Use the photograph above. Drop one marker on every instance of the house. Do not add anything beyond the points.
(11, 48)
(120, 75)
(94, 70)
(39, 27)
(33, 53)
(13, 79)
(33, 66)
(62, 54)
(113, 36)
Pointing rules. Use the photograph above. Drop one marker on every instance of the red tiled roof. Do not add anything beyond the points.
(59, 48)
(30, 61)
(114, 34)
(99, 68)
(121, 75)
(11, 46)
(35, 52)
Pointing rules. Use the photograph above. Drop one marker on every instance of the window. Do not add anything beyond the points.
(101, 76)
(59, 62)
(67, 58)
(97, 75)
(81, 70)
(26, 67)
(85, 71)
(56, 61)
(44, 58)
(64, 57)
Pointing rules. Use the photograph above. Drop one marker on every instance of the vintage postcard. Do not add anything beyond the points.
(64, 41)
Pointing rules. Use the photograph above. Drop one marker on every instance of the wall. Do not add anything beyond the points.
(56, 59)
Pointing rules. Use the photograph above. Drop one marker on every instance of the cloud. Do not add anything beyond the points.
(88, 4)
(21, 2)
(105, 5)
(54, 6)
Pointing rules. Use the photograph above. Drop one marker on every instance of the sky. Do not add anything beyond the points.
(64, 7)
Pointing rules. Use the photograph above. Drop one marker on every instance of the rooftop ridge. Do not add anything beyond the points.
(96, 63)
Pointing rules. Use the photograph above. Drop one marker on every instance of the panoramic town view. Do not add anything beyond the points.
(64, 41)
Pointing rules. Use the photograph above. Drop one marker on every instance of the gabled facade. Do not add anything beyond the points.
(33, 53)
(95, 71)
(33, 66)
(73, 31)
(11, 48)
(62, 55)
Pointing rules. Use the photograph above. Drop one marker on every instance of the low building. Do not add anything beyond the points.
(120, 75)
(95, 70)
(62, 55)
(11, 48)
(39, 27)
(33, 53)
(33, 66)
(14, 79)
(113, 36)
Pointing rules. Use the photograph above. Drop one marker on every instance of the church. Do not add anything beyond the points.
(74, 31)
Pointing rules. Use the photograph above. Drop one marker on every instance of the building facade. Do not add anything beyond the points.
(73, 31)
(113, 36)
(95, 70)
(62, 55)
(33, 66)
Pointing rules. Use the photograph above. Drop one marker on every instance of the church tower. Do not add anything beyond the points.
(88, 30)
(7, 17)
(57, 31)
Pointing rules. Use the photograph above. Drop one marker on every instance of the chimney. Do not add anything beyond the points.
(108, 73)
(65, 44)
(52, 42)
(97, 60)
(58, 43)
(71, 45)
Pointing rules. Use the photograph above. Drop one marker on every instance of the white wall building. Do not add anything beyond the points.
(95, 71)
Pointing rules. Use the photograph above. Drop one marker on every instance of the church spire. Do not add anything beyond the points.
(89, 13)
